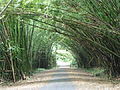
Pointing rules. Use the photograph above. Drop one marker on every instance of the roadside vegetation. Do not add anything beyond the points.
(30, 31)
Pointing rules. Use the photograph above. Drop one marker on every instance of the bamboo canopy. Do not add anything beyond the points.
(90, 29)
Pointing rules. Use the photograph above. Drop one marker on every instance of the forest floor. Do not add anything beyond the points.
(63, 79)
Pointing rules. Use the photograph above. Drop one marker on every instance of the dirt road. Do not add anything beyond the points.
(64, 79)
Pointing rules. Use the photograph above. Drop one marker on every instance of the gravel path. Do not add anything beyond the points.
(64, 79)
(74, 79)
(60, 81)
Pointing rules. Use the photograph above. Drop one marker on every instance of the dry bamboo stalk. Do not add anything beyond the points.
(6, 7)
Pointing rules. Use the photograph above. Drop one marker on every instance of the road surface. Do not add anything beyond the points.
(64, 79)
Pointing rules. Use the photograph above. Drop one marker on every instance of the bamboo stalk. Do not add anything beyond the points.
(6, 7)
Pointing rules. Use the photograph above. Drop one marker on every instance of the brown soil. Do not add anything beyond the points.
(61, 78)
(87, 81)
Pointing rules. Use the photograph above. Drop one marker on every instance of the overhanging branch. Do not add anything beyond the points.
(6, 7)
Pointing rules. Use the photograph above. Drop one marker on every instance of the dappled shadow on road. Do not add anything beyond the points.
(63, 74)
(67, 75)
(64, 78)
(65, 71)
(62, 70)
(68, 80)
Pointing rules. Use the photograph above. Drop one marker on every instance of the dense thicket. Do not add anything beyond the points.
(44, 55)
(89, 28)
(24, 48)
(94, 26)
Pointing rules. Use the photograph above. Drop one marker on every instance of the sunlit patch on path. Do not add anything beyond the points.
(64, 79)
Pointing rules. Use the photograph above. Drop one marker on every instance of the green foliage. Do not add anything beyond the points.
(43, 48)
(96, 71)
(39, 70)
(93, 25)
(88, 28)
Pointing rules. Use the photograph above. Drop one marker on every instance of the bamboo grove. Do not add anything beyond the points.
(30, 29)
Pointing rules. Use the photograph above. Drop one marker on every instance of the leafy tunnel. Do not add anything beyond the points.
(32, 30)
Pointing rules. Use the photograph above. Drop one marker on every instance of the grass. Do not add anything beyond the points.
(99, 72)
(38, 70)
